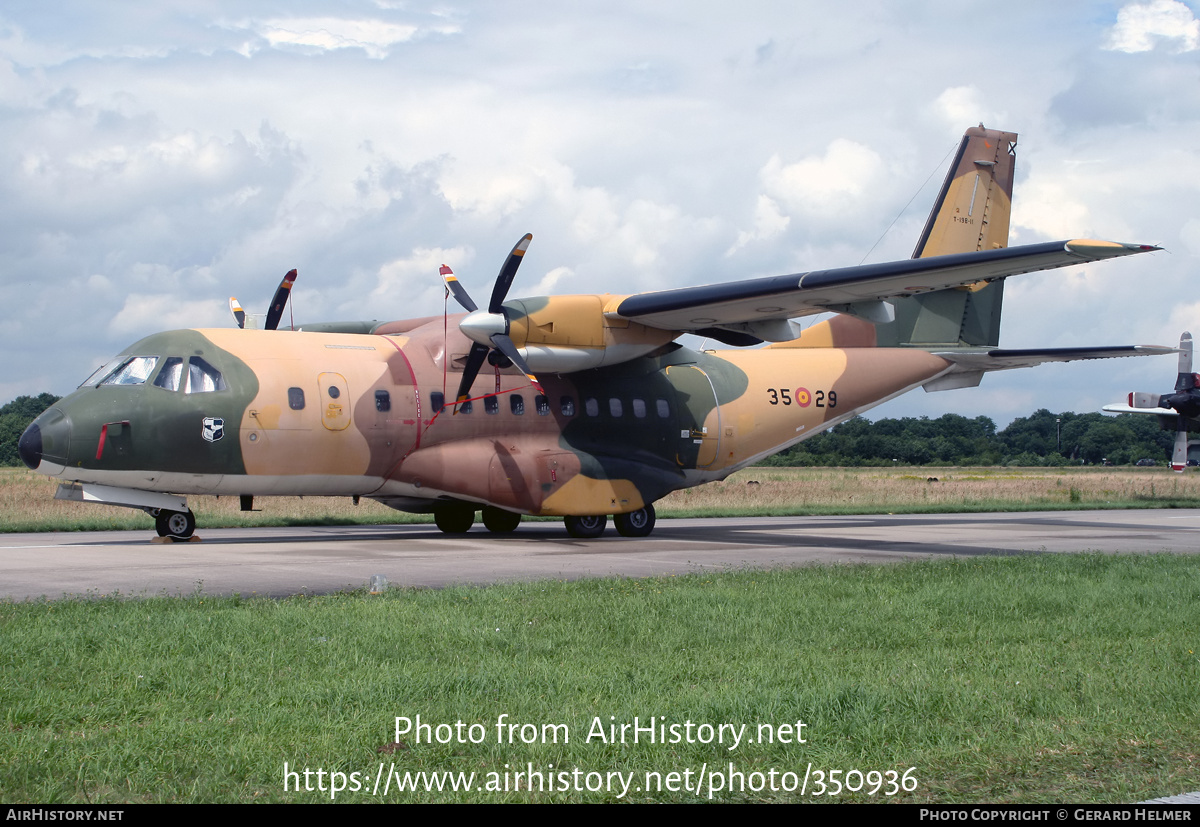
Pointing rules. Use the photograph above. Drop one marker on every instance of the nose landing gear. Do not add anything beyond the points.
(178, 525)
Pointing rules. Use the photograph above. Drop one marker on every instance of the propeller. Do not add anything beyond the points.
(239, 315)
(278, 303)
(1185, 401)
(280, 300)
(488, 329)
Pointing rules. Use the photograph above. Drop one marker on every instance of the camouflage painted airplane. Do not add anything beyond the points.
(617, 415)
(1178, 411)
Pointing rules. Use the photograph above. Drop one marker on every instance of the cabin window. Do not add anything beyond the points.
(664, 410)
(466, 407)
(203, 377)
(591, 406)
(296, 399)
(516, 404)
(491, 405)
(171, 373)
(133, 371)
(542, 404)
(639, 408)
(567, 405)
(437, 400)
(383, 401)
(614, 407)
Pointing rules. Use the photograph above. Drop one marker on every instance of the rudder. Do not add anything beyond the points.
(971, 213)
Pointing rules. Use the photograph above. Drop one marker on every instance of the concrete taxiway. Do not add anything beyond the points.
(284, 561)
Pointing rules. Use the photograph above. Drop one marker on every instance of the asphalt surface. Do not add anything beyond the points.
(285, 561)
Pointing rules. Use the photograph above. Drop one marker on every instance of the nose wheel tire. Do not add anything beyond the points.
(585, 528)
(499, 521)
(177, 524)
(636, 523)
(454, 520)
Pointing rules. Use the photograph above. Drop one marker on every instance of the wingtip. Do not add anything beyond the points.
(1097, 248)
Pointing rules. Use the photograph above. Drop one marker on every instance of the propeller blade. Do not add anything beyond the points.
(239, 315)
(1187, 379)
(280, 301)
(470, 371)
(507, 273)
(505, 345)
(1179, 455)
(457, 290)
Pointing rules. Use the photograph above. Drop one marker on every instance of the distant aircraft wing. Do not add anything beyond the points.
(1123, 408)
(860, 290)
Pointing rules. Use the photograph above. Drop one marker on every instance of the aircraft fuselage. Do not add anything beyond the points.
(301, 413)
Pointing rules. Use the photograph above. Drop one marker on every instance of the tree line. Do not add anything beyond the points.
(15, 418)
(1043, 438)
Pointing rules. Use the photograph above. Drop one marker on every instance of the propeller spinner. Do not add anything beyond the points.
(488, 329)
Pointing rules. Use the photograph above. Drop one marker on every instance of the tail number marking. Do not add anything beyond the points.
(802, 397)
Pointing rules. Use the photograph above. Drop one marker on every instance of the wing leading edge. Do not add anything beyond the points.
(758, 305)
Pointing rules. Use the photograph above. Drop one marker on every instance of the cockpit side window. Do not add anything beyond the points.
(203, 377)
(171, 373)
(99, 373)
(133, 371)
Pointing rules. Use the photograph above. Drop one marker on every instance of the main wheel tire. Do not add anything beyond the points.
(499, 521)
(177, 524)
(636, 523)
(585, 528)
(454, 519)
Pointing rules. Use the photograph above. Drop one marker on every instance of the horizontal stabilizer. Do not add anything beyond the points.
(969, 364)
(1003, 359)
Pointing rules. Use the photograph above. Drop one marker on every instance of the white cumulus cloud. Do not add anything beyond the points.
(833, 182)
(1142, 26)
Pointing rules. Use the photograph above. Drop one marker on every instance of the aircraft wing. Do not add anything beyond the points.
(858, 290)
(1122, 408)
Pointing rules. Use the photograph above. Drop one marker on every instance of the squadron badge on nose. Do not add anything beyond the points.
(213, 428)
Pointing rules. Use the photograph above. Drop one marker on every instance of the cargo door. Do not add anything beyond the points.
(697, 416)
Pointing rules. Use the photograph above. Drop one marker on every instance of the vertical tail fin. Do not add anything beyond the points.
(971, 213)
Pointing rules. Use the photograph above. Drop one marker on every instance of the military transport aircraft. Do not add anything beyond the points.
(1178, 411)
(574, 406)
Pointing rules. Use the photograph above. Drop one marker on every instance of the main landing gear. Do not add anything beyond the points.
(457, 518)
(634, 524)
(178, 525)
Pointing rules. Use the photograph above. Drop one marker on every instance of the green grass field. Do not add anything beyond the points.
(1046, 678)
(1023, 680)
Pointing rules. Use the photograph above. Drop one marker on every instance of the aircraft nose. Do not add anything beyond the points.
(45, 443)
(29, 446)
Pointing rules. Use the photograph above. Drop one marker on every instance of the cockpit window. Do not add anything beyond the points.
(171, 373)
(133, 371)
(203, 377)
(99, 373)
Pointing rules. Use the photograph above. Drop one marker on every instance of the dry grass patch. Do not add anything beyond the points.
(804, 490)
(27, 499)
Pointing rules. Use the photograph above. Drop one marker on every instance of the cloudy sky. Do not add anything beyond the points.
(156, 158)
